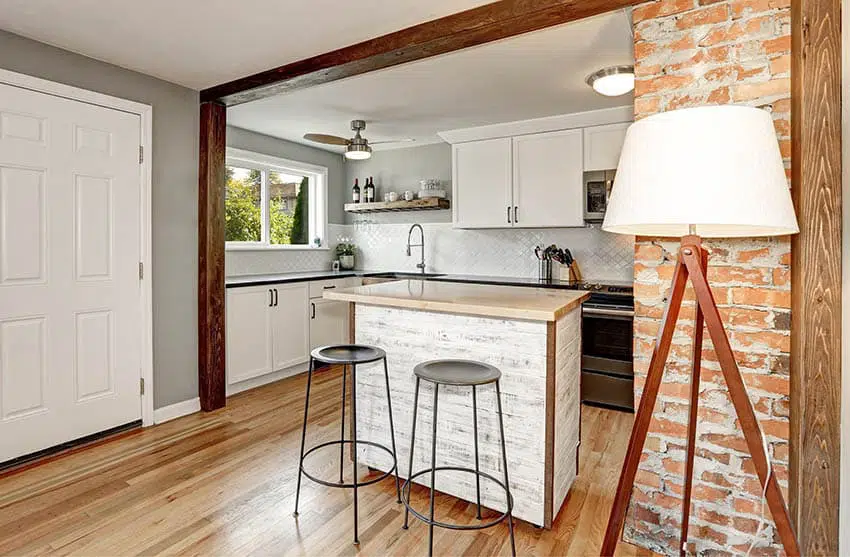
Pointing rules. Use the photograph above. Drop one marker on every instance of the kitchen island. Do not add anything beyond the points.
(533, 335)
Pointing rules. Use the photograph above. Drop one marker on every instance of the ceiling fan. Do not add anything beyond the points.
(356, 148)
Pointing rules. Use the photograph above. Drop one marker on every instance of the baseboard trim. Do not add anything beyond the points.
(178, 410)
(255, 382)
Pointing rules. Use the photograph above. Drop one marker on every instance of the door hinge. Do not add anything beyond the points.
(141, 154)
(141, 270)
(141, 385)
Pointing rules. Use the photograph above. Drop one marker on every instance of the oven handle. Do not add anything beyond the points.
(608, 312)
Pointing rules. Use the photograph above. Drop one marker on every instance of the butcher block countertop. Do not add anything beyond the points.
(508, 302)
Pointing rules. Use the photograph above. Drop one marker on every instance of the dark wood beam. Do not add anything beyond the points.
(211, 256)
(477, 26)
(816, 274)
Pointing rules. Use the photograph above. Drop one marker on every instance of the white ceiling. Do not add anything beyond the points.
(530, 76)
(201, 43)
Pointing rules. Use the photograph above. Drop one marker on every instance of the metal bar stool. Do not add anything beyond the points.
(458, 373)
(347, 355)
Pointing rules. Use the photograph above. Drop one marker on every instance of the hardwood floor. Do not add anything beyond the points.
(223, 483)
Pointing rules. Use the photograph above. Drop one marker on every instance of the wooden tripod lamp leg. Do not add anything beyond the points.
(693, 413)
(740, 400)
(644, 413)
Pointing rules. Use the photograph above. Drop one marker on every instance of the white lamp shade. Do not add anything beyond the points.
(715, 167)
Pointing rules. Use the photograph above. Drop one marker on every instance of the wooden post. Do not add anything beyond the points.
(815, 440)
(211, 360)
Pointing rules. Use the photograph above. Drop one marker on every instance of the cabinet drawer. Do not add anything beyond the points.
(318, 287)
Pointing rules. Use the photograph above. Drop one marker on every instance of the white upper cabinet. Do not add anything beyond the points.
(602, 146)
(530, 174)
(482, 181)
(547, 180)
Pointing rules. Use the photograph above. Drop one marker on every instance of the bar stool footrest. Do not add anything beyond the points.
(348, 485)
(405, 498)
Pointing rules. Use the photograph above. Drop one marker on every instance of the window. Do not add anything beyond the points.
(273, 203)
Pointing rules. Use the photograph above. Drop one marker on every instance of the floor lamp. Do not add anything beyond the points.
(713, 172)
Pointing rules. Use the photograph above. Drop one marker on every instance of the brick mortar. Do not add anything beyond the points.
(693, 53)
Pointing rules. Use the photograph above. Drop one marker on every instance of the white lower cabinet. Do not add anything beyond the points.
(328, 322)
(271, 329)
(249, 333)
(290, 327)
(267, 330)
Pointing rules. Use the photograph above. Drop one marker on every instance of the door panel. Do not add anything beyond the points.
(22, 226)
(249, 333)
(482, 184)
(602, 146)
(290, 325)
(328, 323)
(548, 186)
(70, 245)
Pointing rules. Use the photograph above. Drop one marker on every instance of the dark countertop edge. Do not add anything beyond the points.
(262, 280)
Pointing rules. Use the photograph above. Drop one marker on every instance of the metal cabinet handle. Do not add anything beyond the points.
(275, 297)
(509, 215)
(271, 298)
(328, 287)
(516, 214)
(313, 310)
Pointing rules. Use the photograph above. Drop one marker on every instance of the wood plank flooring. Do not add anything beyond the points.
(223, 483)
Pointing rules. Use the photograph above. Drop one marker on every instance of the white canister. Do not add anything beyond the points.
(393, 196)
(408, 195)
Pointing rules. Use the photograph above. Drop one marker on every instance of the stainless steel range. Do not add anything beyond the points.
(607, 377)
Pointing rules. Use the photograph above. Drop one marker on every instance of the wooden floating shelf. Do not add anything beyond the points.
(430, 204)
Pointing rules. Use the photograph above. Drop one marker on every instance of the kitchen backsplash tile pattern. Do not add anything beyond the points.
(492, 252)
(381, 246)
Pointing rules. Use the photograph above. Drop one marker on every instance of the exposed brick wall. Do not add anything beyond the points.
(692, 53)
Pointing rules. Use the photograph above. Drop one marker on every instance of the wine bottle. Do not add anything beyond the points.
(355, 192)
(371, 189)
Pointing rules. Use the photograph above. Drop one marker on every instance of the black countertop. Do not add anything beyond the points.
(260, 280)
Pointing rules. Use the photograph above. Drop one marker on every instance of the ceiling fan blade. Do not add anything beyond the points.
(405, 140)
(327, 139)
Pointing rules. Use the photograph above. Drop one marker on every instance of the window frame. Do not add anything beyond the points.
(318, 212)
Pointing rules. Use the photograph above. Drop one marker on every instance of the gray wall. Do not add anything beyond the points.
(398, 170)
(273, 146)
(175, 197)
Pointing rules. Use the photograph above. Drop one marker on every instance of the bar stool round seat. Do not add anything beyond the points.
(348, 354)
(463, 373)
(458, 373)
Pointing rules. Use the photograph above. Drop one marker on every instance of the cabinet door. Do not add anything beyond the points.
(249, 333)
(482, 184)
(328, 323)
(548, 179)
(602, 146)
(290, 325)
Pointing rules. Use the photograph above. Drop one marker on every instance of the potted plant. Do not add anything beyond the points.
(345, 254)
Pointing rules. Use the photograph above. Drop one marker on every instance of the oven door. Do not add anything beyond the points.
(607, 368)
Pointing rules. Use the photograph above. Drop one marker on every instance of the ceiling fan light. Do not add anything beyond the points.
(358, 152)
(613, 81)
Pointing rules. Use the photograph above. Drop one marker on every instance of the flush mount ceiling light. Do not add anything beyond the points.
(612, 81)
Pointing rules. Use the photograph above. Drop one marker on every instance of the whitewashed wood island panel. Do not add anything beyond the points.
(540, 366)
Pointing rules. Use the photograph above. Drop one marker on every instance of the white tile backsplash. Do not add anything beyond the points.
(503, 252)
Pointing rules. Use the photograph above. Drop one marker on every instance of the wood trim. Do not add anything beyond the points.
(816, 274)
(211, 292)
(484, 24)
(549, 451)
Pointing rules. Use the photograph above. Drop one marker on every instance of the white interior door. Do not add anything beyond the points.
(70, 310)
